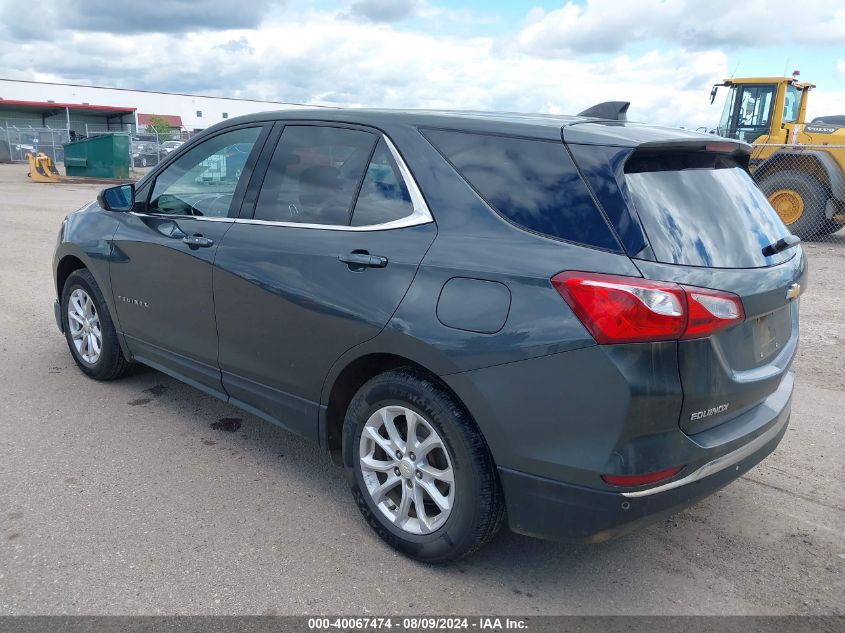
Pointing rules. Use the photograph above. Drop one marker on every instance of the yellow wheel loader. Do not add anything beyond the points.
(799, 166)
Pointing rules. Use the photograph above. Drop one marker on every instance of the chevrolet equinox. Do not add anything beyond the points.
(574, 325)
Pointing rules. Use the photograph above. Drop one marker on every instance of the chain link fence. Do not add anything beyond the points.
(17, 142)
(805, 184)
(146, 147)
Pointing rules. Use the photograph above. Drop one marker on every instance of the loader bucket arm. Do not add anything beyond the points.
(41, 168)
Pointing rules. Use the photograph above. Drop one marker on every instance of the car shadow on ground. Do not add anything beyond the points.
(717, 545)
(299, 460)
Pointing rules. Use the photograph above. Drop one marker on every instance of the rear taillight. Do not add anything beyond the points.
(618, 309)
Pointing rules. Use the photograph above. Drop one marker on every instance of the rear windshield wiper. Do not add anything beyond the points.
(781, 245)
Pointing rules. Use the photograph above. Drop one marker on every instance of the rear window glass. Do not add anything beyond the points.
(532, 183)
(703, 209)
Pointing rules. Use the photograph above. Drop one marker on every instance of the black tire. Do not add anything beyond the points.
(478, 506)
(814, 195)
(111, 363)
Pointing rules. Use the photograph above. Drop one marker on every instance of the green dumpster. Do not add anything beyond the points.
(104, 156)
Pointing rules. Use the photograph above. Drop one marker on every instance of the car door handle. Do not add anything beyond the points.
(362, 259)
(197, 241)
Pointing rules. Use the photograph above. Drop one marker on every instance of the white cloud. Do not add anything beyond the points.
(322, 57)
(384, 10)
(610, 25)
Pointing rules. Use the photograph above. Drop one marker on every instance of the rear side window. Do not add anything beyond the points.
(384, 197)
(703, 209)
(532, 183)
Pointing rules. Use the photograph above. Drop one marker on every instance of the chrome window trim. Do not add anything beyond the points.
(171, 216)
(420, 215)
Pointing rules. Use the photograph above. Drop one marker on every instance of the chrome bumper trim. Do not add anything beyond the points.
(715, 466)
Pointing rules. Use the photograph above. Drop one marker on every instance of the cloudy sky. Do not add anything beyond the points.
(535, 56)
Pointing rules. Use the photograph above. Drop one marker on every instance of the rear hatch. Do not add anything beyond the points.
(706, 224)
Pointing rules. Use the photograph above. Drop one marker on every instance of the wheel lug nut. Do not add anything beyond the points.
(411, 456)
(397, 471)
(410, 483)
(398, 454)
(419, 474)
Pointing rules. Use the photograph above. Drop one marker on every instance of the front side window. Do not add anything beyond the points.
(748, 112)
(314, 175)
(755, 110)
(202, 181)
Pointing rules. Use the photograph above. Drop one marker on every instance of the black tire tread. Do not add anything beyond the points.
(115, 365)
(490, 499)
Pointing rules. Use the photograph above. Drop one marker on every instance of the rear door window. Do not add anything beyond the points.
(384, 197)
(314, 175)
(703, 209)
(532, 183)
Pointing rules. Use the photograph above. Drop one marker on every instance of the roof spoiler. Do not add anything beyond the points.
(613, 110)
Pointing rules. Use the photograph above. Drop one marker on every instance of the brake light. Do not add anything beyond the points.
(711, 311)
(641, 480)
(618, 309)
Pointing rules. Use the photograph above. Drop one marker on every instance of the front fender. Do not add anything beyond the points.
(87, 238)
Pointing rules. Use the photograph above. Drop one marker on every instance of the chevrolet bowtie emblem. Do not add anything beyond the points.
(793, 291)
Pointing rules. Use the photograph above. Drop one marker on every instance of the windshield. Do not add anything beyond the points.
(747, 112)
(703, 209)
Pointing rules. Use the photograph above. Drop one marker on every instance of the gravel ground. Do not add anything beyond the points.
(144, 496)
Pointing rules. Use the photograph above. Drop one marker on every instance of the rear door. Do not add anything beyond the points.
(707, 225)
(318, 262)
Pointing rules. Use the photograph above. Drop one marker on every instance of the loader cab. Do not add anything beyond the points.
(763, 109)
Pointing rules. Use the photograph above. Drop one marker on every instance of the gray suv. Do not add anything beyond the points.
(573, 325)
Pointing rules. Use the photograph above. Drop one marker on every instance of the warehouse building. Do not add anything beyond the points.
(42, 116)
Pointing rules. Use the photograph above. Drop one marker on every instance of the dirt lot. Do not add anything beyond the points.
(133, 498)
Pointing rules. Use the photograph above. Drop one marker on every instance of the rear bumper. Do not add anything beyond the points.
(550, 509)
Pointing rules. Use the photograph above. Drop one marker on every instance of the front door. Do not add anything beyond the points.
(163, 254)
(335, 240)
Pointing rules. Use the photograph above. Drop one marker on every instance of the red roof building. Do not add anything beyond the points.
(173, 120)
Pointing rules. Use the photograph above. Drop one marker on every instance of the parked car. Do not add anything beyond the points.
(169, 146)
(145, 153)
(572, 324)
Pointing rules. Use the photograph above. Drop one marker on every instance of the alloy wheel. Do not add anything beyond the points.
(407, 470)
(84, 325)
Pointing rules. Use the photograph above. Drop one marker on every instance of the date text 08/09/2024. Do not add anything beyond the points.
(416, 623)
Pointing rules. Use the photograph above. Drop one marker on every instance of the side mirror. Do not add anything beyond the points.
(119, 198)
